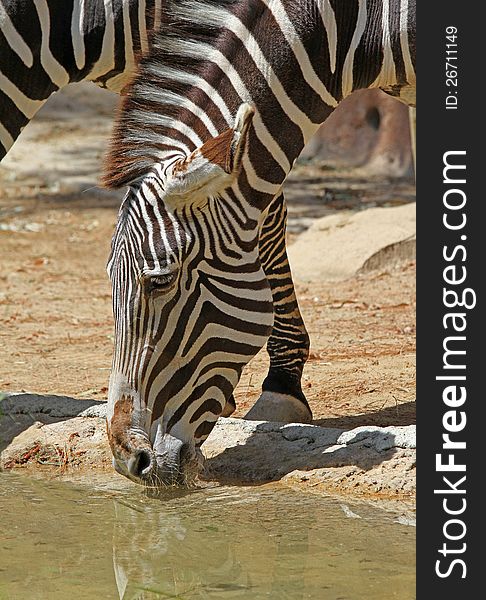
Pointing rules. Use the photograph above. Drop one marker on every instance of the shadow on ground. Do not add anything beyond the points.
(19, 411)
(254, 452)
(401, 414)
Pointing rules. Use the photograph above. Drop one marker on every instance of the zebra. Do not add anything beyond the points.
(47, 44)
(101, 41)
(207, 132)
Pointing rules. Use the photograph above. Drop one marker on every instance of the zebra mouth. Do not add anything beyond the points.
(175, 461)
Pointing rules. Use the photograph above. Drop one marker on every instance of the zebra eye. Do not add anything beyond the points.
(159, 283)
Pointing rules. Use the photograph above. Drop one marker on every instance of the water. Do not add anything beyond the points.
(61, 541)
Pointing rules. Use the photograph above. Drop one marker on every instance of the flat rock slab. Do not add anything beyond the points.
(340, 246)
(21, 410)
(366, 461)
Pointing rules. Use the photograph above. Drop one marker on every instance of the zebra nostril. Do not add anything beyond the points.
(140, 463)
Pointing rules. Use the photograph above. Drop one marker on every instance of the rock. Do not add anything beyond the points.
(22, 410)
(340, 246)
(362, 461)
(65, 447)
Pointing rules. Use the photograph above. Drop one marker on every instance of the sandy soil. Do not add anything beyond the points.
(55, 307)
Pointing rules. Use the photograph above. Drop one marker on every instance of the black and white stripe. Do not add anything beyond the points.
(209, 129)
(47, 44)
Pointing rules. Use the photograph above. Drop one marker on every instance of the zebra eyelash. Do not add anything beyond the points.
(159, 283)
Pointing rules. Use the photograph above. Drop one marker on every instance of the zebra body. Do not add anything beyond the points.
(208, 132)
(47, 44)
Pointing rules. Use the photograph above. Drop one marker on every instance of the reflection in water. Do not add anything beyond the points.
(245, 543)
(213, 543)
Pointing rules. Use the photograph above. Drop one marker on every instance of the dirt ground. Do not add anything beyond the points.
(55, 308)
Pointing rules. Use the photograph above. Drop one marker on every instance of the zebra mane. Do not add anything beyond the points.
(160, 90)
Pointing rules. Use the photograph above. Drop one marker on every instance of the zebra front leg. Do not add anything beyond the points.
(282, 398)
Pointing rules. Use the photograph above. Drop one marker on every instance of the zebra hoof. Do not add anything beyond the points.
(283, 408)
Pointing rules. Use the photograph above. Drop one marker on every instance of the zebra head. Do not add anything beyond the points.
(191, 304)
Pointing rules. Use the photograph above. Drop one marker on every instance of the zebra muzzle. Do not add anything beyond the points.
(172, 456)
(169, 461)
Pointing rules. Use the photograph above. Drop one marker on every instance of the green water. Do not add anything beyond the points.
(60, 541)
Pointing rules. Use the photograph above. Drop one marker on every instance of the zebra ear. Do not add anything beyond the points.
(211, 168)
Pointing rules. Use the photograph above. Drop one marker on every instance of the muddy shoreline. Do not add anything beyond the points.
(44, 438)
